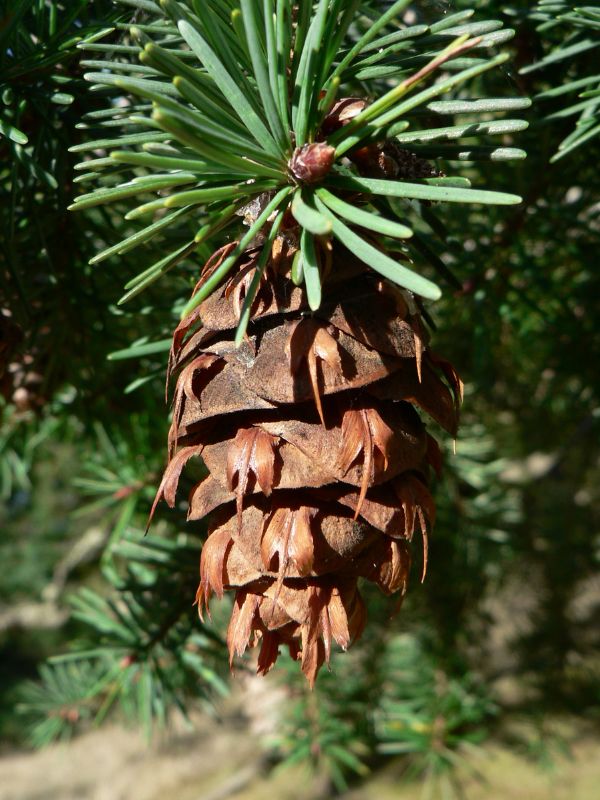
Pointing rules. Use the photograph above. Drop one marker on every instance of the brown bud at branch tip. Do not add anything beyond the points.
(311, 162)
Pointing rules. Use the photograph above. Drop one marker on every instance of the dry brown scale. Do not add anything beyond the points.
(318, 460)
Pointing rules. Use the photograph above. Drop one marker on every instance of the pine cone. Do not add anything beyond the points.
(318, 460)
(301, 379)
(21, 382)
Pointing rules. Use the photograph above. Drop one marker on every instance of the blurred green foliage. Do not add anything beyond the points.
(507, 619)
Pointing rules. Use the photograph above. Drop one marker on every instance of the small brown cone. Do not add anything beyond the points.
(318, 458)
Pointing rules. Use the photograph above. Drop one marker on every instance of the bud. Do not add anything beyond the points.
(311, 162)
(341, 113)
